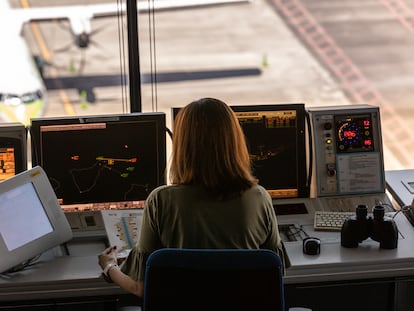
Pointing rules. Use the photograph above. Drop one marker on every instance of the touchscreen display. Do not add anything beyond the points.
(29, 219)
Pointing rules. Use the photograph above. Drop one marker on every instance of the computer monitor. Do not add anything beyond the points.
(13, 149)
(101, 162)
(276, 140)
(31, 220)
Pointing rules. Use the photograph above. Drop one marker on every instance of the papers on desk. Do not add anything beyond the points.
(122, 228)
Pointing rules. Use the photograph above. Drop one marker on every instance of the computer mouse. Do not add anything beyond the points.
(311, 246)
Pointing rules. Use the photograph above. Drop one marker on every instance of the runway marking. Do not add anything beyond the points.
(402, 12)
(352, 80)
(46, 55)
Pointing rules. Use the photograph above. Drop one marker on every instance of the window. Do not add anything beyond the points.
(257, 52)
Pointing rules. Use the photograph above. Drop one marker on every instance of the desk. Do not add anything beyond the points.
(61, 277)
(339, 263)
(365, 278)
(58, 283)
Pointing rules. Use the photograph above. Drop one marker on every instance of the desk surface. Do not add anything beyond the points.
(339, 263)
(336, 263)
(61, 277)
(74, 276)
(400, 183)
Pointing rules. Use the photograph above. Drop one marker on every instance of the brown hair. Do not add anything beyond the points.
(209, 149)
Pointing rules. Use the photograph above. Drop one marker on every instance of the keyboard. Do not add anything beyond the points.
(330, 221)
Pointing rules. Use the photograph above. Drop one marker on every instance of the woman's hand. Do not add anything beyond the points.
(108, 256)
(108, 262)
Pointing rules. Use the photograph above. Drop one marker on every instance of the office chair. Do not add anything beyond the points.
(213, 279)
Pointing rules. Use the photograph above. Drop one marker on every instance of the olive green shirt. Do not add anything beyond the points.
(186, 216)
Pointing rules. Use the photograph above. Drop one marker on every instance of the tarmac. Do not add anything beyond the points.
(244, 54)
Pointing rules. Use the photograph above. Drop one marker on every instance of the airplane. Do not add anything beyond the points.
(22, 89)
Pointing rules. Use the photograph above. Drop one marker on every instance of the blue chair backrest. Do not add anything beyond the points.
(213, 279)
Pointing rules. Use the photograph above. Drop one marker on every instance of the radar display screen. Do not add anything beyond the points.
(100, 161)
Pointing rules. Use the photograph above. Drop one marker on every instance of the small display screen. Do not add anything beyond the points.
(29, 219)
(354, 133)
(7, 162)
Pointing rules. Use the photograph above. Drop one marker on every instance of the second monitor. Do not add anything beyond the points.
(276, 140)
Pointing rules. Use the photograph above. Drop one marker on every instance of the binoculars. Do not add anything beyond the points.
(362, 226)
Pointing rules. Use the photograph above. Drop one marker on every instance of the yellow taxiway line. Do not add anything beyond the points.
(46, 55)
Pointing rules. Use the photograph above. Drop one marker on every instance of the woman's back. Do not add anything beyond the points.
(187, 216)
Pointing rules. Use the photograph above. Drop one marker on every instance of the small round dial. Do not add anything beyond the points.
(349, 134)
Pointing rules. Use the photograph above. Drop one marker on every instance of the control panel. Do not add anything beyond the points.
(86, 219)
(86, 223)
(347, 148)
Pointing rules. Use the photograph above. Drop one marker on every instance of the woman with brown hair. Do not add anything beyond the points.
(213, 200)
